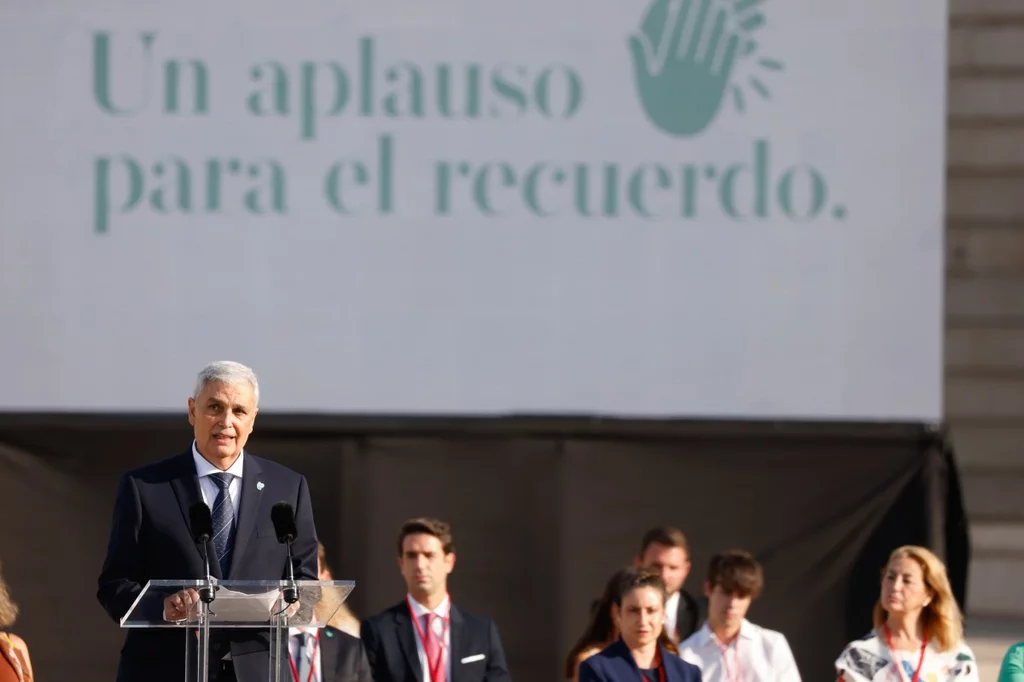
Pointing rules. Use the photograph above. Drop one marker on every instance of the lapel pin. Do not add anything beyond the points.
(259, 485)
(330, 634)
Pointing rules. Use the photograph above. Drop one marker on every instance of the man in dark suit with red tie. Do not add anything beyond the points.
(151, 538)
(425, 637)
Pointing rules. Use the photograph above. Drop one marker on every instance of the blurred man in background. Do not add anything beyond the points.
(425, 638)
(664, 550)
(327, 654)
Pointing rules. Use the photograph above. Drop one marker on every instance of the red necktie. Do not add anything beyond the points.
(434, 650)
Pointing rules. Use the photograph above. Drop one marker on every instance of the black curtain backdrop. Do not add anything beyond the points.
(543, 511)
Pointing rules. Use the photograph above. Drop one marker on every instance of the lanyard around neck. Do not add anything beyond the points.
(896, 661)
(659, 664)
(737, 676)
(435, 666)
(312, 660)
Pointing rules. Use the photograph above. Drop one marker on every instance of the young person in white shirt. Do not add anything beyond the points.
(728, 647)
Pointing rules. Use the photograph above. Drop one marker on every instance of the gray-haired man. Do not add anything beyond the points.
(150, 537)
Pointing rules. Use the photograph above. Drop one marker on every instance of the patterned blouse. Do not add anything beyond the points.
(869, 660)
(12, 666)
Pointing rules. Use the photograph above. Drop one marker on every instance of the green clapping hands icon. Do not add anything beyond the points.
(684, 57)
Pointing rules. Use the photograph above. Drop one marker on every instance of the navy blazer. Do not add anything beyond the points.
(616, 664)
(342, 657)
(476, 651)
(150, 539)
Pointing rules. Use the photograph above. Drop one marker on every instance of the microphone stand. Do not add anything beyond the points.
(290, 594)
(282, 515)
(206, 596)
(207, 590)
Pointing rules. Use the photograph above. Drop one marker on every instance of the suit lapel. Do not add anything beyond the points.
(682, 618)
(458, 641)
(186, 489)
(627, 658)
(671, 666)
(666, 661)
(330, 655)
(407, 640)
(251, 496)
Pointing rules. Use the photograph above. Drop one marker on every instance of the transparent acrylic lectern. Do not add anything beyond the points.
(268, 607)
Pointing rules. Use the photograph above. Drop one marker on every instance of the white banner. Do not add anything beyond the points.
(701, 208)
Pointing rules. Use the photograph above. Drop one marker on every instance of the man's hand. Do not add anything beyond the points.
(179, 605)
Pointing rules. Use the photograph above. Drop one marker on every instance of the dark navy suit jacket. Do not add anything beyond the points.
(150, 539)
(476, 653)
(616, 664)
(342, 657)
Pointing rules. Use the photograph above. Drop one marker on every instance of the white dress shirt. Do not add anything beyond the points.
(311, 650)
(419, 610)
(671, 614)
(209, 489)
(755, 655)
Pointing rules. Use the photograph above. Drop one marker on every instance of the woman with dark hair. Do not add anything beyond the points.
(639, 653)
(15, 665)
(600, 632)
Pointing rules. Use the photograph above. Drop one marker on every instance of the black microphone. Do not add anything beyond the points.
(282, 515)
(201, 521)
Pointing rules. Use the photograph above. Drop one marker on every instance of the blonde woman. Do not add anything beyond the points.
(15, 665)
(918, 633)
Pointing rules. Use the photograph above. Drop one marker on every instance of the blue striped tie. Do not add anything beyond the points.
(303, 661)
(223, 522)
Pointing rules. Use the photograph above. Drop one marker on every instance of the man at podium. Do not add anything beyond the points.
(150, 537)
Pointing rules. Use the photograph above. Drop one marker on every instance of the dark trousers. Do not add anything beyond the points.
(225, 672)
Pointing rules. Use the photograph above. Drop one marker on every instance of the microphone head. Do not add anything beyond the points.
(201, 522)
(282, 515)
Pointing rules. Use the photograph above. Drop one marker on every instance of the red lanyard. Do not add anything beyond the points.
(659, 664)
(896, 662)
(738, 677)
(312, 661)
(435, 667)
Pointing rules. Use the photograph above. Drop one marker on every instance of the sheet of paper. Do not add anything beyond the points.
(242, 607)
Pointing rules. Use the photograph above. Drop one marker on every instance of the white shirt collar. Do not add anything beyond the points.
(204, 468)
(420, 610)
(309, 630)
(708, 637)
